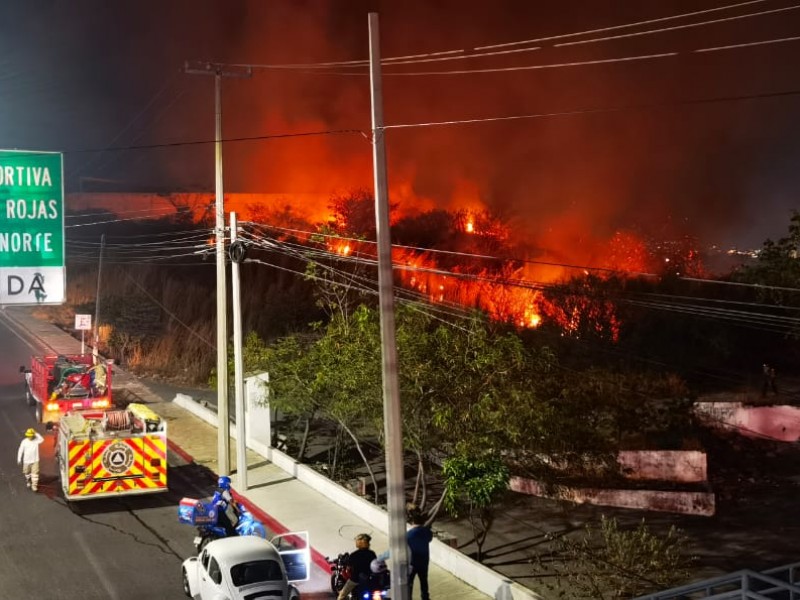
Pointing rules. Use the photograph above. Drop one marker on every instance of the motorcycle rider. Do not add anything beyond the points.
(359, 561)
(223, 499)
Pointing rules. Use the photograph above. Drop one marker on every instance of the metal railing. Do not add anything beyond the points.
(780, 583)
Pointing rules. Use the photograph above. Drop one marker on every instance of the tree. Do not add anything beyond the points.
(608, 563)
(777, 269)
(354, 214)
(474, 484)
(289, 363)
(778, 263)
(346, 377)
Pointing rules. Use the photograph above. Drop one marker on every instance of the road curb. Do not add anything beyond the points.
(271, 522)
(180, 451)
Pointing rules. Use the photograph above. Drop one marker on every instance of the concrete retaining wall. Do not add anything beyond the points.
(472, 572)
(690, 503)
(780, 423)
(665, 465)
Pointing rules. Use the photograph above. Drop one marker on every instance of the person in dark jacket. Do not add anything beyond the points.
(419, 539)
(359, 562)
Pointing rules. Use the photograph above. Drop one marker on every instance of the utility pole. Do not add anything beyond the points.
(237, 256)
(392, 418)
(95, 351)
(223, 421)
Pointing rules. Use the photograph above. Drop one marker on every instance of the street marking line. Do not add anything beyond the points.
(13, 327)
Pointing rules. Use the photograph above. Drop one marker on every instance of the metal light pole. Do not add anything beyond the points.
(223, 421)
(238, 360)
(392, 418)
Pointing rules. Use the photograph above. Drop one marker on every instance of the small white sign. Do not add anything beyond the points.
(83, 322)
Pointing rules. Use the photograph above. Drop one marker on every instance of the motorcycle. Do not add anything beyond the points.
(340, 571)
(376, 586)
(205, 514)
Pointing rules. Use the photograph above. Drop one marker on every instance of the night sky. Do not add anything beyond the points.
(693, 143)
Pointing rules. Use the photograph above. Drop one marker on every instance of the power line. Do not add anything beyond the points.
(757, 320)
(749, 44)
(677, 27)
(479, 51)
(152, 214)
(24, 155)
(618, 27)
(601, 110)
(170, 313)
(622, 59)
(130, 124)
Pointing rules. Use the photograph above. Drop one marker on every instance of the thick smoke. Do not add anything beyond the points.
(627, 145)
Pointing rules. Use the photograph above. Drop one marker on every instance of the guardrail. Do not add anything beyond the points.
(780, 583)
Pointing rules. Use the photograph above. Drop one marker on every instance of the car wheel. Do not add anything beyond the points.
(186, 589)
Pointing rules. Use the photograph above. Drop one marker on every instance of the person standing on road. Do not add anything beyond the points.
(28, 458)
(419, 539)
(359, 561)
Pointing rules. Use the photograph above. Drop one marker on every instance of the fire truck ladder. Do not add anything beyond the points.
(780, 583)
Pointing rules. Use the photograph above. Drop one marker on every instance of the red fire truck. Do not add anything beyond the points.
(115, 452)
(58, 383)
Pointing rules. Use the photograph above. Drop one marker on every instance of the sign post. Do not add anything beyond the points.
(83, 323)
(32, 266)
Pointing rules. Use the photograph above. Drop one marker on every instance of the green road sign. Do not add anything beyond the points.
(32, 269)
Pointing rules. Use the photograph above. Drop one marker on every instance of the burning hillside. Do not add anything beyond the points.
(467, 257)
(470, 258)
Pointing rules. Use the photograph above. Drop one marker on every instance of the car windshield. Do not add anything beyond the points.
(256, 571)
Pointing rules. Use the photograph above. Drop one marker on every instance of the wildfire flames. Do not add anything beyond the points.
(510, 292)
(481, 266)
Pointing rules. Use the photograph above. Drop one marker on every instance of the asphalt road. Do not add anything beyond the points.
(105, 549)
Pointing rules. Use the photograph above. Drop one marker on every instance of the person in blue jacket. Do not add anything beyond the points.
(419, 538)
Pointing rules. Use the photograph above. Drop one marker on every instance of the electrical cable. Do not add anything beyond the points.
(130, 124)
(434, 251)
(170, 313)
(432, 56)
(677, 27)
(770, 323)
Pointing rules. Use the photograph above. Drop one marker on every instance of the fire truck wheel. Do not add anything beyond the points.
(28, 396)
(38, 412)
(186, 589)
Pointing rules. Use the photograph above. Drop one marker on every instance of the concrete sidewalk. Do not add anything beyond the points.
(274, 495)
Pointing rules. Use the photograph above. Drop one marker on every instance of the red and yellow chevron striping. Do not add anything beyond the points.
(112, 466)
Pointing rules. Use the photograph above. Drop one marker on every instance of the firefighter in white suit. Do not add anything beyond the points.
(28, 458)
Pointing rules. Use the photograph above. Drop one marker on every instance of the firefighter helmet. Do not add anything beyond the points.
(30, 433)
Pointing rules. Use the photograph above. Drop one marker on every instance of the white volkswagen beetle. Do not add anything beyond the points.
(244, 568)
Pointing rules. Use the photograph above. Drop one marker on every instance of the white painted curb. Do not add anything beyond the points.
(461, 566)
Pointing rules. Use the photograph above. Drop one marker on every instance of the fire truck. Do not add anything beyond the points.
(114, 452)
(59, 383)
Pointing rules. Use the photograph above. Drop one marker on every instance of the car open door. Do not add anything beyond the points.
(295, 552)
